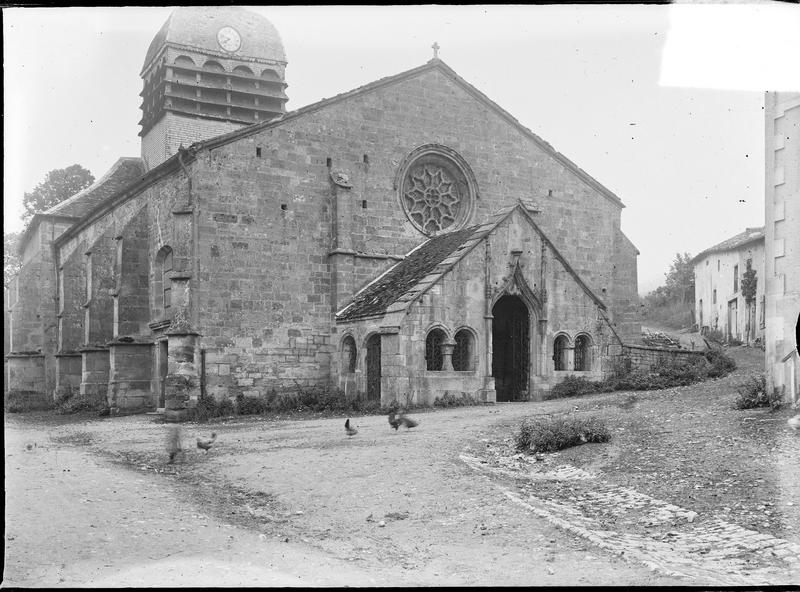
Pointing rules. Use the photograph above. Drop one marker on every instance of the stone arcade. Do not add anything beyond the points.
(402, 240)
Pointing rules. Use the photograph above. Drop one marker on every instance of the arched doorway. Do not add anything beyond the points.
(374, 368)
(510, 348)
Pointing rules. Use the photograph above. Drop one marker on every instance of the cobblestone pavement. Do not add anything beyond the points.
(670, 540)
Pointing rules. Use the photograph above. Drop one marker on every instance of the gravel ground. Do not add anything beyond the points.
(401, 508)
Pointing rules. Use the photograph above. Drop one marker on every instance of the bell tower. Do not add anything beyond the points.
(209, 71)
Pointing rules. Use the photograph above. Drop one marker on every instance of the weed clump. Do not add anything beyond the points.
(753, 394)
(19, 401)
(549, 434)
(451, 400)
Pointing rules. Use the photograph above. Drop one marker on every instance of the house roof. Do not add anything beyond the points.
(750, 235)
(119, 176)
(387, 288)
(424, 266)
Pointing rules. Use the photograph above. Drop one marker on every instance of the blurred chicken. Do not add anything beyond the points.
(348, 430)
(173, 443)
(397, 421)
(206, 444)
(794, 422)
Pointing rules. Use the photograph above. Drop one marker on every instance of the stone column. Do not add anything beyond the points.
(569, 354)
(25, 372)
(183, 378)
(447, 355)
(94, 374)
(130, 375)
(69, 372)
(394, 368)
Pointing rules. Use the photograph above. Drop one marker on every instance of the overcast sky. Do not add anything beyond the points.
(661, 104)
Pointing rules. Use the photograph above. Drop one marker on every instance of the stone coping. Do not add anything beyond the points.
(664, 349)
(24, 355)
(92, 347)
(67, 353)
(129, 341)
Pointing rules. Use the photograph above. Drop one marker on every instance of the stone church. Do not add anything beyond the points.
(403, 240)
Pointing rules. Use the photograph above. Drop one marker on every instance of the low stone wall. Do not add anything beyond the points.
(643, 357)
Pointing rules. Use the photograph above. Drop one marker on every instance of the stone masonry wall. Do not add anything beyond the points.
(132, 312)
(646, 358)
(266, 220)
(71, 300)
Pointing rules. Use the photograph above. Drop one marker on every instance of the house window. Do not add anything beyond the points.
(714, 296)
(761, 317)
(700, 314)
(582, 361)
(462, 352)
(717, 264)
(349, 354)
(735, 278)
(560, 352)
(433, 349)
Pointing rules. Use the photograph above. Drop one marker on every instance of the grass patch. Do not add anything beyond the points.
(18, 401)
(549, 434)
(319, 400)
(753, 394)
(69, 401)
(451, 400)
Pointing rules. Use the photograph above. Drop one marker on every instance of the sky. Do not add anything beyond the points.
(663, 105)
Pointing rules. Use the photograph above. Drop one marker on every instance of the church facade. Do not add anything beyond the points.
(403, 240)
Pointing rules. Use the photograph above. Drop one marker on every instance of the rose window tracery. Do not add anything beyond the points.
(432, 198)
(436, 189)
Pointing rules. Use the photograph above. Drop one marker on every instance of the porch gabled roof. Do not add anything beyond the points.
(424, 266)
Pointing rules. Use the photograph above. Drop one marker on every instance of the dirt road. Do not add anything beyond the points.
(297, 502)
(74, 517)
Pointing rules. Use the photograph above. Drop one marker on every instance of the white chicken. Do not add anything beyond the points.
(206, 444)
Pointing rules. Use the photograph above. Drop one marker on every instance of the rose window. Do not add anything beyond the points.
(436, 189)
(431, 198)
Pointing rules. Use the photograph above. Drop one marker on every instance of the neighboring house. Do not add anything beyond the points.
(782, 216)
(720, 303)
(402, 240)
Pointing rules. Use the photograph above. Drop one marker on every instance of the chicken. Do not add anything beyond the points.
(206, 444)
(173, 443)
(794, 422)
(397, 421)
(350, 431)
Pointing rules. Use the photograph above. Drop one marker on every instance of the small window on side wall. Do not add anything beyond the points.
(560, 352)
(463, 351)
(349, 354)
(582, 361)
(433, 349)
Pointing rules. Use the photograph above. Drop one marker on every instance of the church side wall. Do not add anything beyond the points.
(265, 284)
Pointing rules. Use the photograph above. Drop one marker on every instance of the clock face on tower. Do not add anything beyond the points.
(229, 39)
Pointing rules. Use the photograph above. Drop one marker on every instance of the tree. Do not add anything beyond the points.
(58, 185)
(680, 279)
(11, 261)
(672, 305)
(749, 283)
